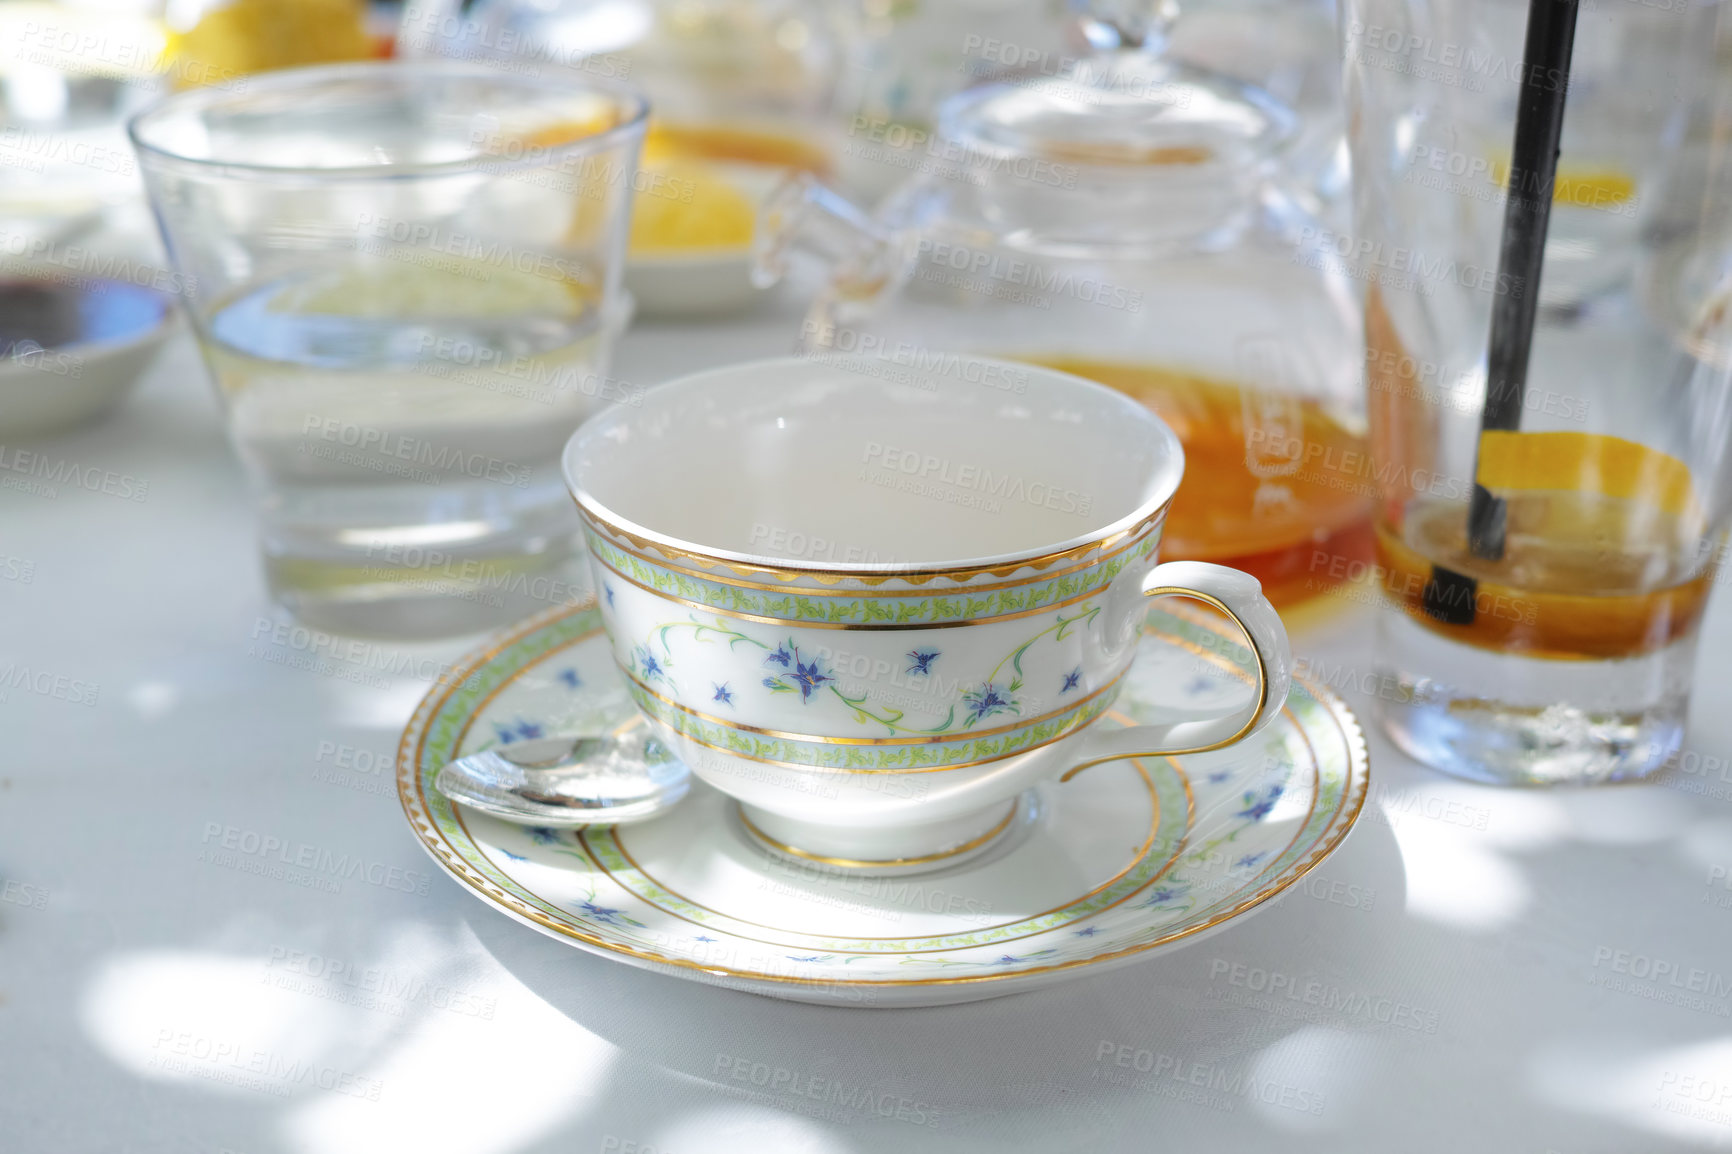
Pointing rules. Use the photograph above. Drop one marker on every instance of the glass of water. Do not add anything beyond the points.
(405, 280)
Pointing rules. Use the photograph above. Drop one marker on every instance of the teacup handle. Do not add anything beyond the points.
(1240, 597)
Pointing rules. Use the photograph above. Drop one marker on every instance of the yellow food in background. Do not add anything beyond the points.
(1594, 188)
(686, 205)
(682, 204)
(687, 201)
(667, 142)
(260, 35)
(1582, 186)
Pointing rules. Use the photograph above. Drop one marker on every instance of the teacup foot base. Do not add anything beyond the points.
(888, 852)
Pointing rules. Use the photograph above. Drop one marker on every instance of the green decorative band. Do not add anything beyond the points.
(819, 754)
(852, 607)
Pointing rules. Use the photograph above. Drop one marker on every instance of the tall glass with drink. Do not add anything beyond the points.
(1544, 631)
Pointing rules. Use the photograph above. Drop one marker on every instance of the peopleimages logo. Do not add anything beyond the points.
(60, 471)
(976, 478)
(1220, 1087)
(228, 845)
(987, 272)
(86, 268)
(390, 451)
(831, 1091)
(44, 683)
(1364, 258)
(1275, 987)
(1663, 970)
(60, 149)
(74, 48)
(502, 44)
(959, 158)
(1477, 178)
(358, 655)
(248, 1067)
(484, 250)
(371, 987)
(557, 166)
(812, 546)
(1447, 61)
(864, 353)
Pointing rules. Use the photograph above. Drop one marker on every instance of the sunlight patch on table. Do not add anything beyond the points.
(1310, 1080)
(152, 699)
(1681, 1092)
(197, 1018)
(748, 1128)
(454, 1085)
(1454, 879)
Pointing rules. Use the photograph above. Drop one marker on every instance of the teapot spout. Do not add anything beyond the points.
(802, 215)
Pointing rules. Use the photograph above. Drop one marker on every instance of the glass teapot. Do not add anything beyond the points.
(1126, 221)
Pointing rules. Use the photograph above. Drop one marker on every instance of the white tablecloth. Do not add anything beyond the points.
(1493, 971)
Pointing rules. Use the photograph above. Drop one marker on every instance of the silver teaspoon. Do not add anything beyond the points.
(569, 781)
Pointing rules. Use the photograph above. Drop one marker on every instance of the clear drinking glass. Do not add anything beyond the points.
(1559, 649)
(405, 279)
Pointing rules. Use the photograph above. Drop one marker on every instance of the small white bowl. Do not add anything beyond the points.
(693, 284)
(58, 386)
(702, 282)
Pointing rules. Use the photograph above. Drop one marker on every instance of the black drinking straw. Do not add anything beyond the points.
(1545, 80)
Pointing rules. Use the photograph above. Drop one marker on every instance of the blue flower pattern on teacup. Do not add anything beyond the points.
(805, 675)
(648, 664)
(987, 701)
(791, 670)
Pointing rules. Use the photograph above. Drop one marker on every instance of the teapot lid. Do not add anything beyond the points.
(1123, 111)
(1148, 136)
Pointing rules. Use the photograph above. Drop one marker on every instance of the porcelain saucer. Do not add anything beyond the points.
(1120, 862)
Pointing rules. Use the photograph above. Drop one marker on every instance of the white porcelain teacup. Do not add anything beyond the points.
(877, 602)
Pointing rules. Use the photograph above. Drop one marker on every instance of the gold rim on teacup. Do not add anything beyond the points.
(1145, 514)
(738, 571)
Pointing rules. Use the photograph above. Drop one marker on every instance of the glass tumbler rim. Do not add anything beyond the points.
(197, 100)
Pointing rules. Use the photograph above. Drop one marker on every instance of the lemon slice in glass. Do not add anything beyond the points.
(422, 283)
